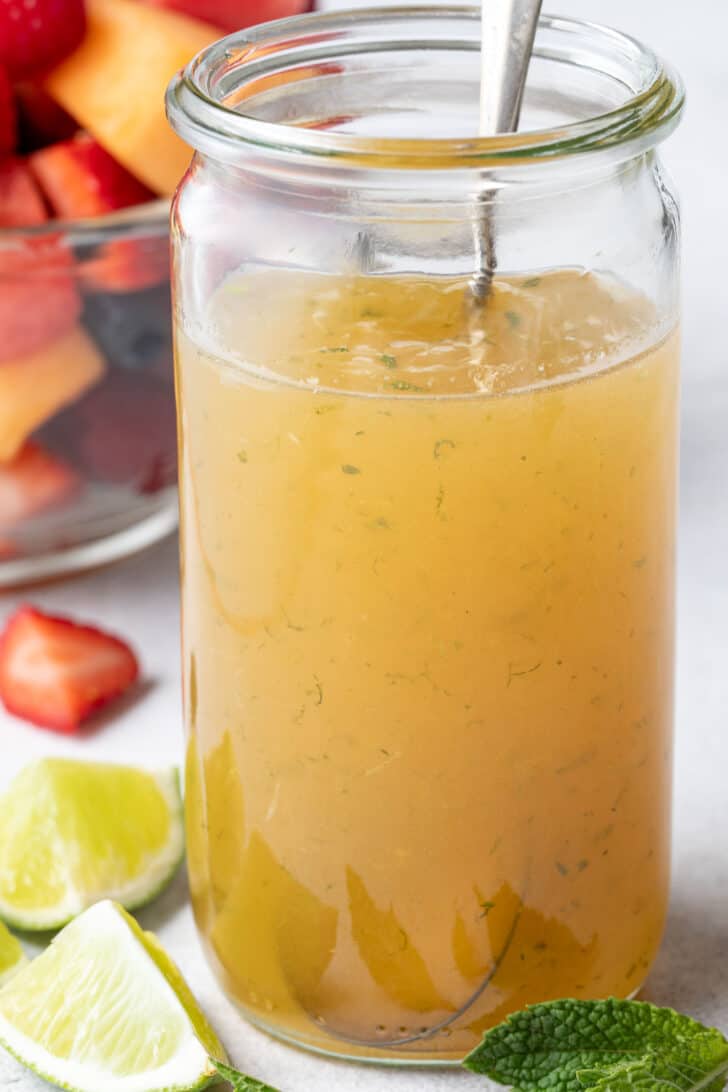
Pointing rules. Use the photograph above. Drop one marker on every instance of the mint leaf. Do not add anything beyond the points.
(239, 1081)
(603, 1046)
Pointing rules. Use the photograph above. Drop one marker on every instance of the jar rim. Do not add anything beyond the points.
(651, 110)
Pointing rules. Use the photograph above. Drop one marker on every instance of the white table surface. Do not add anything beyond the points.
(139, 599)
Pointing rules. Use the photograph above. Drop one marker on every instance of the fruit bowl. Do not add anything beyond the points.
(87, 420)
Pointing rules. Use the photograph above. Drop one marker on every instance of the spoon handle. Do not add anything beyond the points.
(508, 32)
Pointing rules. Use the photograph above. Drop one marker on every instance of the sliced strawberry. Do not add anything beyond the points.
(41, 121)
(37, 34)
(39, 298)
(80, 179)
(55, 673)
(33, 482)
(125, 432)
(8, 115)
(21, 203)
(234, 14)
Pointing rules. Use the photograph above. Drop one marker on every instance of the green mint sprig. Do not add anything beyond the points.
(238, 1081)
(602, 1046)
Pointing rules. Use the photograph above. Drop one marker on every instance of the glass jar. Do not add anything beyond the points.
(427, 538)
(87, 425)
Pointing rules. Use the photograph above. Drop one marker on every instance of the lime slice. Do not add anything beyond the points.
(104, 1009)
(72, 833)
(12, 957)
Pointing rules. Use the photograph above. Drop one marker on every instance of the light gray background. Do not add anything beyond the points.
(139, 598)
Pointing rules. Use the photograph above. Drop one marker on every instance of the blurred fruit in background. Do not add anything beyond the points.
(87, 430)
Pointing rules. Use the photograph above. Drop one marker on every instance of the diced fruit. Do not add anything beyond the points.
(33, 482)
(126, 432)
(134, 329)
(39, 299)
(34, 36)
(80, 179)
(104, 1009)
(56, 673)
(73, 832)
(41, 121)
(114, 84)
(8, 119)
(233, 14)
(12, 957)
(34, 387)
(21, 203)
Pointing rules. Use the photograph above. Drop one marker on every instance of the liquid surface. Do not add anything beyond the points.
(428, 627)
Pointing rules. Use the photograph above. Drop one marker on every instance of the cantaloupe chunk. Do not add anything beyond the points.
(34, 387)
(114, 84)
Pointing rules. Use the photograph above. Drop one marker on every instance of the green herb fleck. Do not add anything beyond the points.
(602, 1046)
(519, 674)
(438, 448)
(242, 456)
(319, 690)
(335, 349)
(371, 312)
(561, 869)
(349, 469)
(238, 1081)
(388, 361)
(640, 562)
(439, 499)
(486, 908)
(325, 409)
(514, 319)
(532, 282)
(403, 385)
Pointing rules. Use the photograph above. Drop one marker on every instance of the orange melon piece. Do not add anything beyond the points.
(114, 84)
(34, 387)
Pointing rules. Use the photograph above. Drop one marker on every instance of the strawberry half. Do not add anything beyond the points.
(33, 482)
(36, 35)
(55, 673)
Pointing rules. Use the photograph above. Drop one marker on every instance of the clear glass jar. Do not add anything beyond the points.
(87, 425)
(427, 540)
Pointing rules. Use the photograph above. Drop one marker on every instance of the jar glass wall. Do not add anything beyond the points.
(428, 543)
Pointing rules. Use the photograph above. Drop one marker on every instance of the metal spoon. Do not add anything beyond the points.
(508, 29)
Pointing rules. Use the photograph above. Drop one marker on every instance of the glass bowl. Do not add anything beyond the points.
(87, 419)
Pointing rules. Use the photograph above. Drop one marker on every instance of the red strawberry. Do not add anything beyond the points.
(80, 179)
(21, 203)
(234, 14)
(39, 299)
(55, 673)
(37, 34)
(41, 121)
(8, 119)
(32, 482)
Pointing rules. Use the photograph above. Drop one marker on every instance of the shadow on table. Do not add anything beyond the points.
(690, 972)
(167, 905)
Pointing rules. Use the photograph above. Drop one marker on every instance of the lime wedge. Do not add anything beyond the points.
(72, 833)
(12, 957)
(104, 1009)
